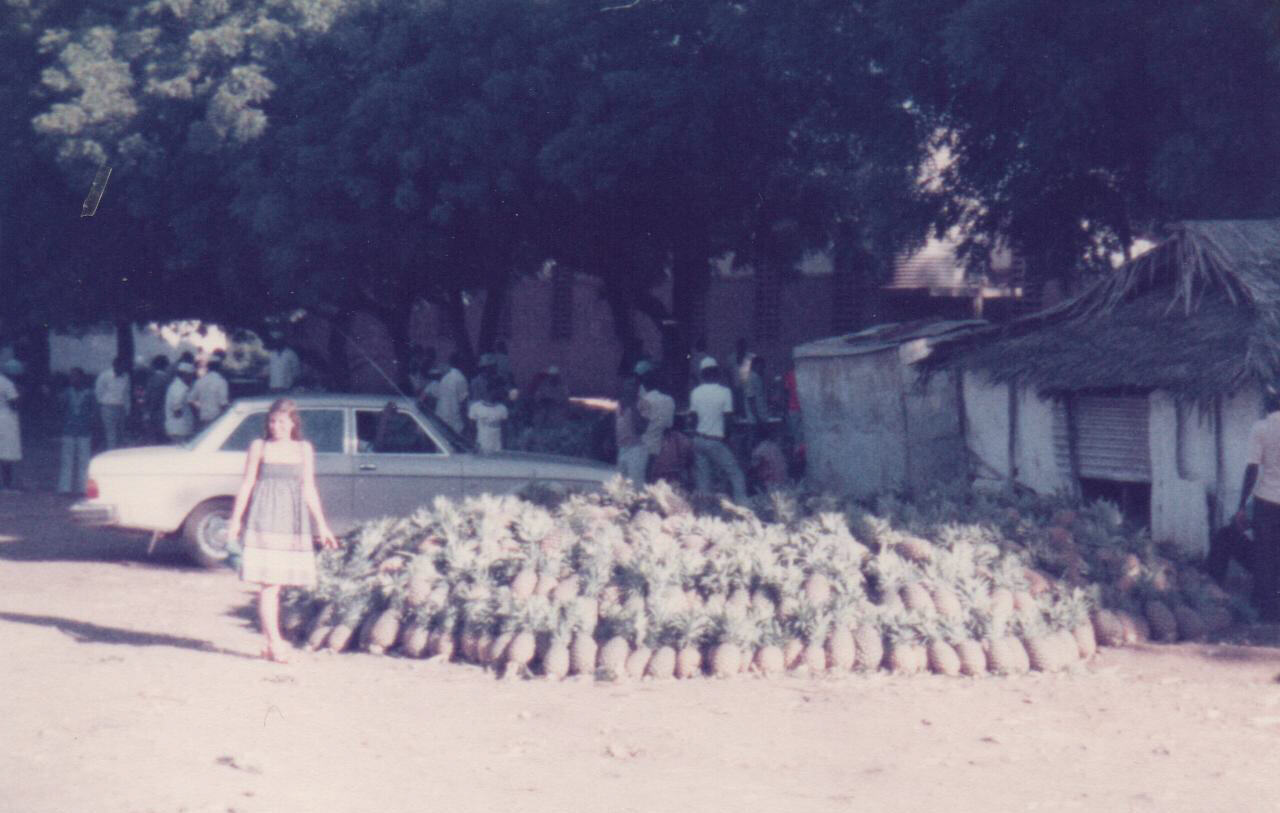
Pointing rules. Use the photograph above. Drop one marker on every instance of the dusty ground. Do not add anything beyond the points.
(130, 684)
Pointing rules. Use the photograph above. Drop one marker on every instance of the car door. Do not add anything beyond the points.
(399, 464)
(326, 428)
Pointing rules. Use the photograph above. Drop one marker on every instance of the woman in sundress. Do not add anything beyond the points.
(284, 515)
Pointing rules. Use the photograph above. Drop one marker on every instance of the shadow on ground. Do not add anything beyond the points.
(36, 526)
(84, 632)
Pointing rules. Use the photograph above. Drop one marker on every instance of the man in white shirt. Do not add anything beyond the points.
(178, 421)
(655, 406)
(111, 390)
(209, 395)
(283, 368)
(452, 394)
(711, 401)
(1262, 482)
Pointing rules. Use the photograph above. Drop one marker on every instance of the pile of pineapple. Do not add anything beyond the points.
(641, 583)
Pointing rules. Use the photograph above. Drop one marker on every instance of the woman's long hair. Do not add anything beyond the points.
(288, 407)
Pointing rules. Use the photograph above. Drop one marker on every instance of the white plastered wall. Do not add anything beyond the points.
(986, 411)
(1183, 471)
(986, 430)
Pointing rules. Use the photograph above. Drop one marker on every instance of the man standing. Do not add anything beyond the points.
(10, 436)
(1262, 482)
(452, 394)
(283, 367)
(111, 390)
(658, 408)
(76, 407)
(178, 421)
(711, 401)
(209, 395)
(153, 398)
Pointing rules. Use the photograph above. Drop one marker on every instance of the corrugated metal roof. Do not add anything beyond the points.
(887, 336)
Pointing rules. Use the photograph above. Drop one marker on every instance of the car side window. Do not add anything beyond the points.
(251, 427)
(323, 427)
(392, 431)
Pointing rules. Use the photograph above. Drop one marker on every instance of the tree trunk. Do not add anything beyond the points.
(455, 312)
(124, 342)
(338, 369)
(495, 306)
(691, 279)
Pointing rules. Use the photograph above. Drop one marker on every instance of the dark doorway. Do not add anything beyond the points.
(1134, 499)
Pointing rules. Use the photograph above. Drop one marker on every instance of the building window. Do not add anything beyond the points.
(561, 304)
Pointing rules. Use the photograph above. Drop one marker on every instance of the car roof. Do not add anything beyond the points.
(326, 399)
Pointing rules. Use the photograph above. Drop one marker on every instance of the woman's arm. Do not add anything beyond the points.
(246, 488)
(312, 497)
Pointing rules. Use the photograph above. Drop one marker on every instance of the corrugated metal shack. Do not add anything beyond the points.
(872, 423)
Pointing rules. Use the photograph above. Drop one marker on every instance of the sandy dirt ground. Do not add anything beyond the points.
(131, 683)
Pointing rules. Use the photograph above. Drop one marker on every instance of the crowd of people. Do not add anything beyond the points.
(729, 431)
(166, 402)
(730, 434)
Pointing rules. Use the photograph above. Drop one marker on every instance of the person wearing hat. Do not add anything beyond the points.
(179, 423)
(711, 401)
(10, 436)
(1262, 483)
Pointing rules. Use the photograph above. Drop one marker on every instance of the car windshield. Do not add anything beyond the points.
(456, 441)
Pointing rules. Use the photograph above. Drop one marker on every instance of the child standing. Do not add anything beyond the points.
(489, 416)
(279, 492)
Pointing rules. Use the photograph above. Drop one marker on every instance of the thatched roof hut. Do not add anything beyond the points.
(1197, 316)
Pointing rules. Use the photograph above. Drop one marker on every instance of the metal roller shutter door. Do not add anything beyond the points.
(1112, 440)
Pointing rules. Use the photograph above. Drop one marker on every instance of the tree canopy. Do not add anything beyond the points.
(363, 154)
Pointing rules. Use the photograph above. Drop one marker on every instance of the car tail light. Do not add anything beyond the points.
(91, 489)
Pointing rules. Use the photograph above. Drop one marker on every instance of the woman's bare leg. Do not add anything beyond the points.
(269, 619)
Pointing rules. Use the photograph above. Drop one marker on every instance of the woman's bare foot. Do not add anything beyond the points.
(276, 652)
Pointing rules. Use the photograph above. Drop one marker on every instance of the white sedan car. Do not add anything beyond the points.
(375, 456)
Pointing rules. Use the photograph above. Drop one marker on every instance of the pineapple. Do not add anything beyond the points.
(946, 601)
(582, 652)
(555, 656)
(941, 656)
(906, 652)
(385, 631)
(638, 661)
(1077, 605)
(662, 664)
(733, 636)
(1005, 653)
(768, 659)
(914, 549)
(689, 627)
(1042, 651)
(842, 652)
(817, 589)
(1164, 626)
(1108, 629)
(617, 629)
(868, 644)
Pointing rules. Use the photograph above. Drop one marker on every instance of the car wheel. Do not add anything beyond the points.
(204, 534)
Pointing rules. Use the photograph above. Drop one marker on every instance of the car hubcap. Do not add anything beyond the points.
(214, 538)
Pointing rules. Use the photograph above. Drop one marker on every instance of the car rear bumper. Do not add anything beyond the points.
(93, 513)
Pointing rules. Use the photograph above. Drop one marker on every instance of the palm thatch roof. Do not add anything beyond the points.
(1198, 316)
